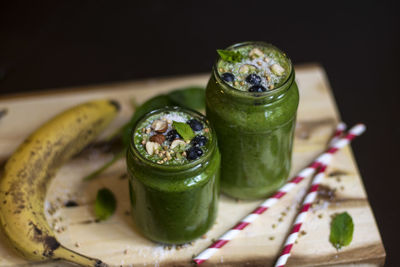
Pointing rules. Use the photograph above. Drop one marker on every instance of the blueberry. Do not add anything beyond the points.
(257, 89)
(194, 153)
(172, 135)
(199, 140)
(195, 125)
(253, 79)
(228, 77)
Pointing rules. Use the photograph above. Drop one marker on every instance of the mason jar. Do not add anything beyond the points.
(174, 203)
(255, 131)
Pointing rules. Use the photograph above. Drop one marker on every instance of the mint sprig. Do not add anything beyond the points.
(105, 204)
(184, 130)
(229, 55)
(342, 229)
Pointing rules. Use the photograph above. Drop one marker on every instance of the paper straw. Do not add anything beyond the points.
(320, 160)
(308, 200)
(340, 128)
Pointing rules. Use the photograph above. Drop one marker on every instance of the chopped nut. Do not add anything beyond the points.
(277, 69)
(143, 130)
(221, 70)
(168, 154)
(158, 138)
(165, 159)
(203, 236)
(271, 86)
(184, 153)
(303, 232)
(169, 121)
(236, 83)
(148, 130)
(160, 126)
(244, 69)
(169, 157)
(206, 130)
(143, 142)
(255, 52)
(259, 63)
(268, 78)
(151, 147)
(266, 59)
(242, 83)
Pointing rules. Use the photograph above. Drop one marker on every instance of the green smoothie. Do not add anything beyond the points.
(251, 101)
(173, 163)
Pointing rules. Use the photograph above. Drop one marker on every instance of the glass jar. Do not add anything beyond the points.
(174, 204)
(255, 133)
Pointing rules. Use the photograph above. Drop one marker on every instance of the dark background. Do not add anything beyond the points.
(46, 45)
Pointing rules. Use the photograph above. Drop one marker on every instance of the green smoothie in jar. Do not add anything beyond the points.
(251, 101)
(174, 165)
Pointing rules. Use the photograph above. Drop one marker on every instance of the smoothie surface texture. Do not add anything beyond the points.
(253, 68)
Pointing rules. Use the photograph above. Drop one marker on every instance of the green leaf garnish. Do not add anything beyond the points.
(191, 97)
(184, 130)
(105, 204)
(229, 55)
(342, 228)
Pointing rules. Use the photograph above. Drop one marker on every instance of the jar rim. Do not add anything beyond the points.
(255, 95)
(188, 165)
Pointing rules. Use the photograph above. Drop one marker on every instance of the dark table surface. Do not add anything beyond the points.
(50, 45)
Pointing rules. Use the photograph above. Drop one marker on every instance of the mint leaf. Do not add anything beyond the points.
(229, 55)
(184, 130)
(105, 204)
(342, 228)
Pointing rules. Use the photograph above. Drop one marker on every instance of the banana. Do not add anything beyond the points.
(29, 170)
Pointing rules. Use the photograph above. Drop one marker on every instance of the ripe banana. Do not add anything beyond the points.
(27, 174)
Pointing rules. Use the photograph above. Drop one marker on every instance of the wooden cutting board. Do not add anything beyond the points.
(117, 241)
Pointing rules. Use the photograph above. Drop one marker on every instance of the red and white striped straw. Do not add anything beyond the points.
(310, 198)
(230, 234)
(340, 128)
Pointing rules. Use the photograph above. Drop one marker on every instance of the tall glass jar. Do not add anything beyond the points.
(174, 204)
(255, 132)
